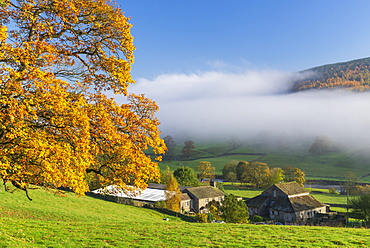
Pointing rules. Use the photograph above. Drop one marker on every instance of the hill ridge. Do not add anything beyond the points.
(353, 75)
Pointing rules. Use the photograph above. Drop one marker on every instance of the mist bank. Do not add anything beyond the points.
(220, 105)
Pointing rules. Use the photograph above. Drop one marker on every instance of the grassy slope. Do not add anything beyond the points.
(55, 221)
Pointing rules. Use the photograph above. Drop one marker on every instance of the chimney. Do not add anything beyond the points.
(213, 183)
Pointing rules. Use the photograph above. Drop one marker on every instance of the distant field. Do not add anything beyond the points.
(55, 221)
(241, 190)
(331, 166)
(218, 162)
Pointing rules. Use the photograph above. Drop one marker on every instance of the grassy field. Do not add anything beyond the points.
(331, 166)
(217, 162)
(56, 221)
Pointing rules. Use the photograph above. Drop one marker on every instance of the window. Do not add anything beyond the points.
(274, 193)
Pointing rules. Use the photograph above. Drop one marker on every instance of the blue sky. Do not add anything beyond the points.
(188, 36)
(220, 67)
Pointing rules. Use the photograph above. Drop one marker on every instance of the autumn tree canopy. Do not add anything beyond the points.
(206, 170)
(173, 193)
(58, 60)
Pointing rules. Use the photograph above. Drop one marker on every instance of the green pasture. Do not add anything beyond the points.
(217, 162)
(241, 190)
(330, 166)
(70, 221)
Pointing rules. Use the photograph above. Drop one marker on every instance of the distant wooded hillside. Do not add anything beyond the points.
(353, 75)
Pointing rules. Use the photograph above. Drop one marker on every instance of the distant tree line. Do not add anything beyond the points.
(260, 175)
(352, 75)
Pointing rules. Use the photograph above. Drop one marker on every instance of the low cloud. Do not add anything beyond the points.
(222, 104)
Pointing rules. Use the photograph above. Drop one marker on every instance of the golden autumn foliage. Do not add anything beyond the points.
(173, 194)
(352, 76)
(206, 170)
(58, 59)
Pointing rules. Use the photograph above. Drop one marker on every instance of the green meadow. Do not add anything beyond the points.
(330, 166)
(52, 220)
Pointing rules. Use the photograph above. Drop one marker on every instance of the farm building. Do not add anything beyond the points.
(285, 202)
(149, 195)
(201, 196)
(193, 199)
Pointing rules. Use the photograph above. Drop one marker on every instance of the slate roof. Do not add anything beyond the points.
(291, 188)
(257, 201)
(296, 204)
(205, 192)
(184, 197)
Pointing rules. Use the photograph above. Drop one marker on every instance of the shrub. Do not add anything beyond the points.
(257, 218)
(333, 191)
(160, 204)
(201, 217)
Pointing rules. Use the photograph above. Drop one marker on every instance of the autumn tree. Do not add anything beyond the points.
(58, 59)
(173, 194)
(206, 170)
(294, 174)
(300, 176)
(188, 149)
(276, 176)
(214, 208)
(186, 176)
(257, 173)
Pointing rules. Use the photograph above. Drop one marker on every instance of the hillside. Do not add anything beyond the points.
(329, 166)
(56, 221)
(352, 75)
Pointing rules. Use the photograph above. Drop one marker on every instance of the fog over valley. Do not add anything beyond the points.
(223, 104)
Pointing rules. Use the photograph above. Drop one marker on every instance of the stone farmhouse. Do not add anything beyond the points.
(199, 197)
(193, 199)
(286, 202)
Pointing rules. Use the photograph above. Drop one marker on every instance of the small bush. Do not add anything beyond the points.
(201, 217)
(160, 204)
(257, 218)
(333, 191)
